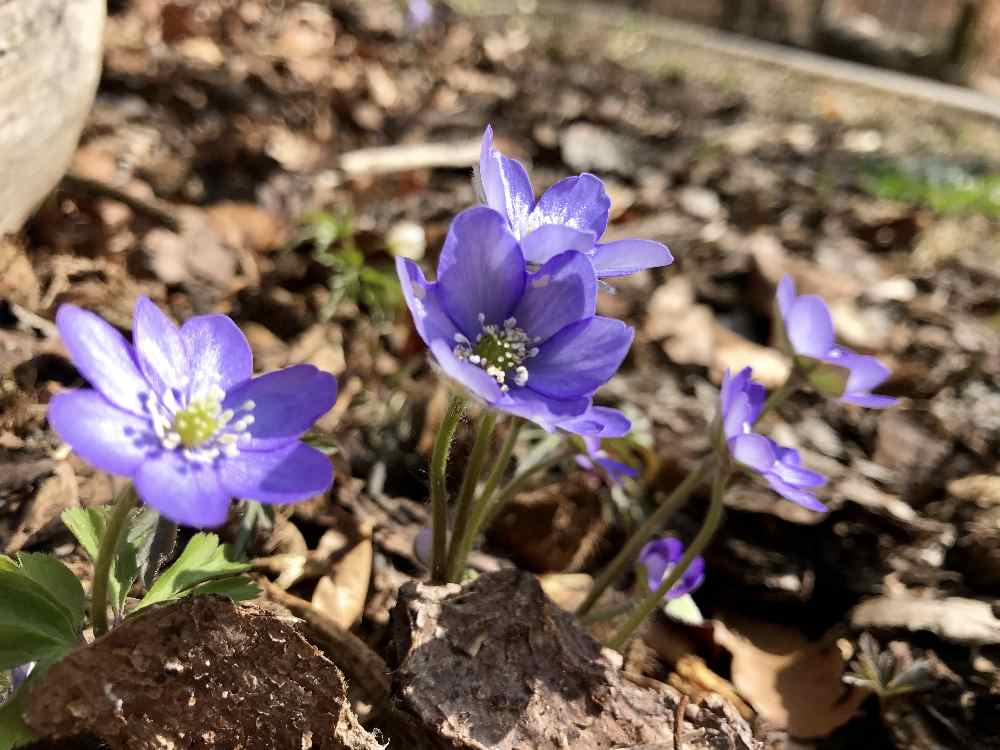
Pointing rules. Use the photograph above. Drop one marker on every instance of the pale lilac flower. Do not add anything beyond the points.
(525, 343)
(741, 402)
(659, 557)
(179, 414)
(419, 13)
(809, 330)
(19, 674)
(596, 423)
(570, 215)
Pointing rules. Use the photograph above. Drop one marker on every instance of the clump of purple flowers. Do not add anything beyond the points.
(660, 556)
(742, 400)
(571, 215)
(526, 343)
(808, 328)
(178, 412)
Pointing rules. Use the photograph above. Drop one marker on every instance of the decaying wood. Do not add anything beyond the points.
(203, 673)
(50, 62)
(495, 664)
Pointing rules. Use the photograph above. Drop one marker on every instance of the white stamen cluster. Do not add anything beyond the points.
(198, 426)
(499, 350)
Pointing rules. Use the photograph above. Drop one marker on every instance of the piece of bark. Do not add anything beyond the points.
(202, 673)
(50, 61)
(496, 665)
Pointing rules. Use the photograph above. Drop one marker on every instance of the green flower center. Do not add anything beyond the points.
(197, 423)
(499, 350)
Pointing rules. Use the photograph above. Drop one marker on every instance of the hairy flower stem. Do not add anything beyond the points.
(106, 555)
(439, 495)
(519, 482)
(481, 504)
(473, 470)
(778, 397)
(617, 567)
(654, 599)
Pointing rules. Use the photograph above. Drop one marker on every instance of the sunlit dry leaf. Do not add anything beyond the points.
(56, 494)
(792, 682)
(341, 595)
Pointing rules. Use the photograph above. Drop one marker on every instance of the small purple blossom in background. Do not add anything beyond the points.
(570, 215)
(19, 674)
(180, 415)
(422, 543)
(659, 557)
(596, 459)
(809, 329)
(419, 13)
(741, 402)
(529, 344)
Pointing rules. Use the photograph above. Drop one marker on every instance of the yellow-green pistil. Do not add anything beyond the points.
(200, 421)
(499, 350)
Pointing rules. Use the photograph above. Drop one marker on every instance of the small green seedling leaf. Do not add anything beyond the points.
(33, 625)
(237, 588)
(684, 610)
(58, 581)
(88, 524)
(202, 560)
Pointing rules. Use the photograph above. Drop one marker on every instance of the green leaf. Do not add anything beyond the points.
(88, 524)
(826, 378)
(202, 560)
(58, 581)
(13, 731)
(237, 588)
(683, 609)
(33, 625)
(7, 563)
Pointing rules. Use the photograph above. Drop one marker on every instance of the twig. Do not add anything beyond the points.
(409, 156)
(679, 722)
(156, 210)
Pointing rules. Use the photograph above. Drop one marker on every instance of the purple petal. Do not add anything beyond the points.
(562, 292)
(866, 373)
(182, 491)
(693, 577)
(786, 295)
(287, 475)
(616, 469)
(733, 385)
(624, 257)
(286, 403)
(218, 351)
(667, 548)
(753, 450)
(481, 270)
(103, 357)
(598, 422)
(103, 435)
(505, 184)
(468, 375)
(798, 496)
(545, 411)
(579, 202)
(580, 358)
(789, 470)
(736, 421)
(550, 240)
(869, 401)
(424, 301)
(809, 326)
(160, 348)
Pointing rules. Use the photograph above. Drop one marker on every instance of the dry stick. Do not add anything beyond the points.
(652, 600)
(103, 190)
(483, 501)
(473, 469)
(439, 498)
(649, 527)
(106, 555)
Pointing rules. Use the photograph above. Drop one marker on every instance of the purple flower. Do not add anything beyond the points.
(660, 556)
(419, 13)
(596, 423)
(180, 415)
(742, 401)
(525, 343)
(570, 215)
(809, 330)
(19, 674)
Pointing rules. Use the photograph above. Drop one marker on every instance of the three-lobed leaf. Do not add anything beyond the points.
(203, 560)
